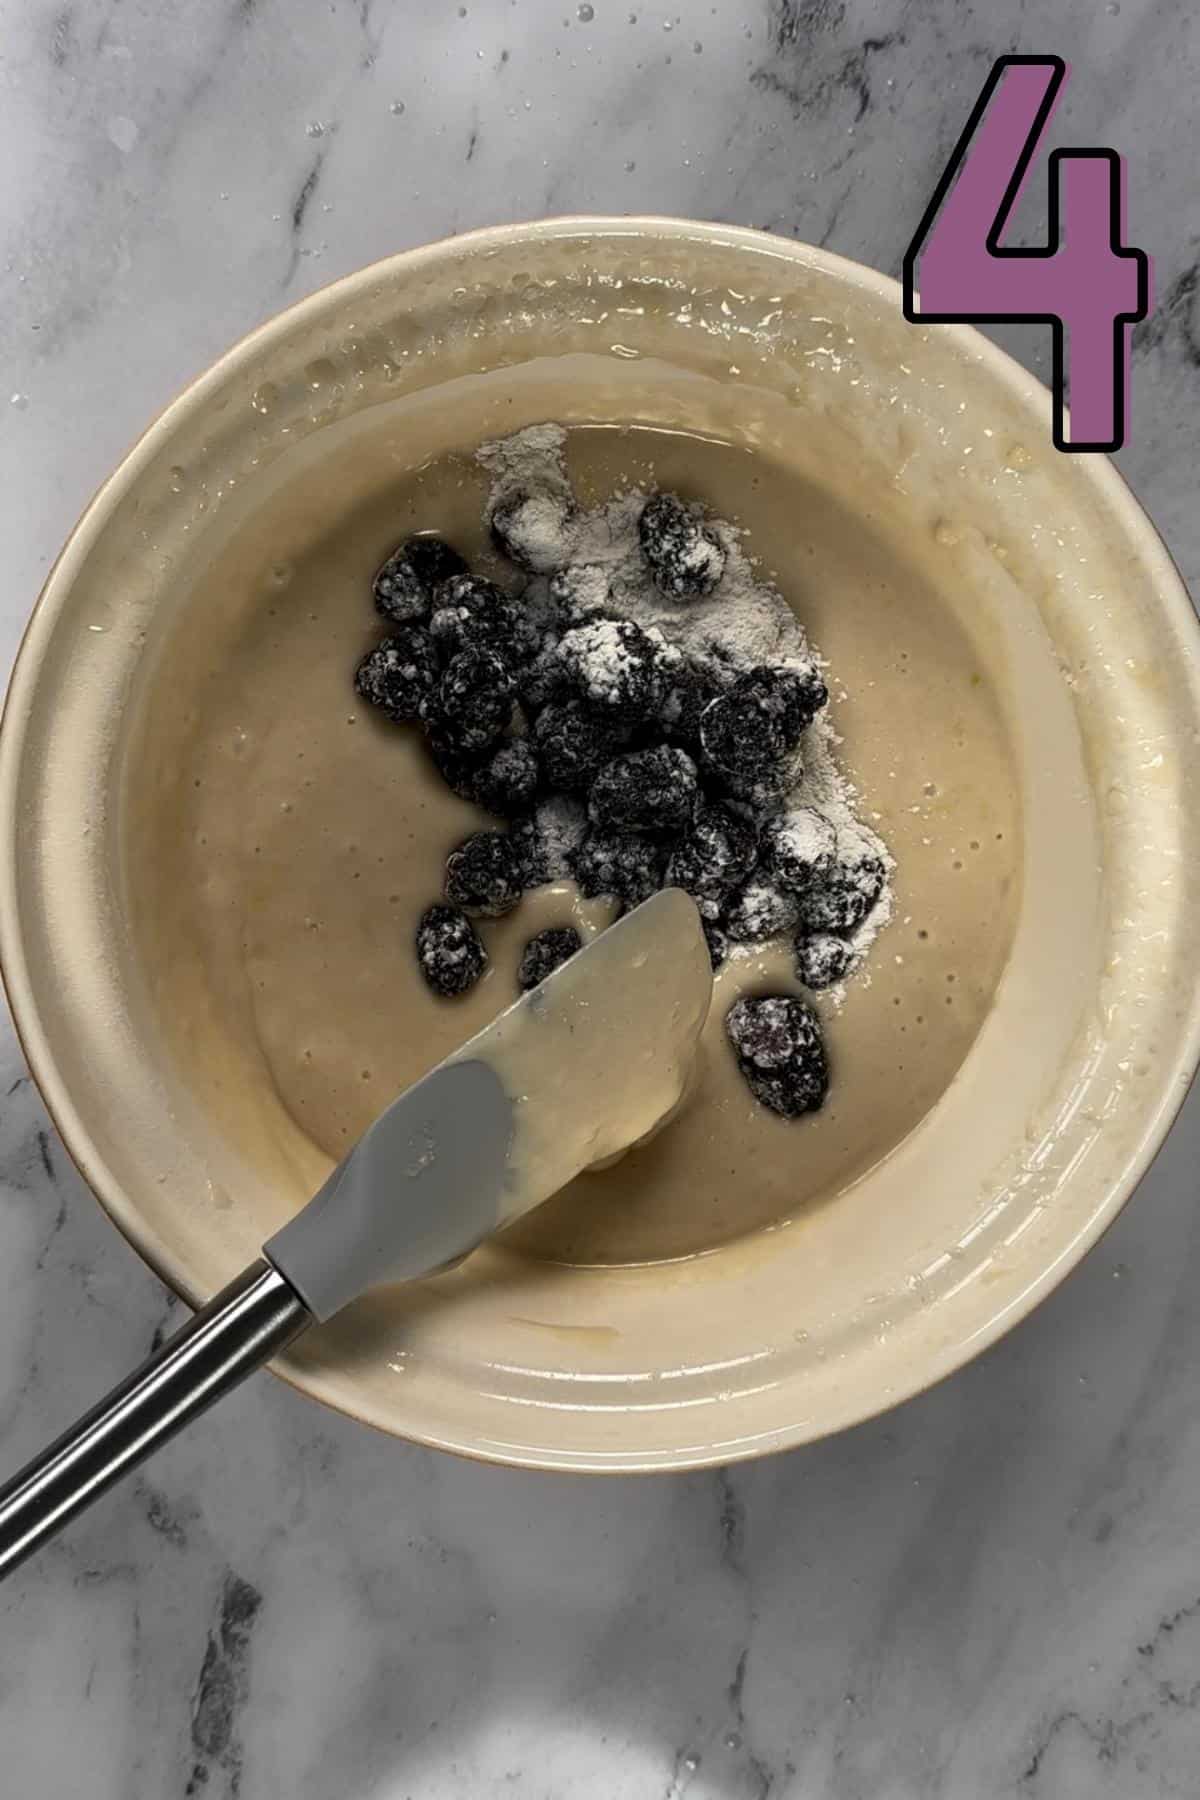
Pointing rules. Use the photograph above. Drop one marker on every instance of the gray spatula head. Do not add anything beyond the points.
(590, 1062)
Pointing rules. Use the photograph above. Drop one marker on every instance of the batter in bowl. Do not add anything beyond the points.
(278, 867)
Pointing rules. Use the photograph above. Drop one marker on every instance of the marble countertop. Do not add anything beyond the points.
(994, 1591)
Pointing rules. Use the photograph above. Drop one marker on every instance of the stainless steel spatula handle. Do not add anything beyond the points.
(245, 1325)
(419, 1189)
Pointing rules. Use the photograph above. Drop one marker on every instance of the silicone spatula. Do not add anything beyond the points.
(589, 1063)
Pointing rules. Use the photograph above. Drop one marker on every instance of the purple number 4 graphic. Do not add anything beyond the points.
(1084, 283)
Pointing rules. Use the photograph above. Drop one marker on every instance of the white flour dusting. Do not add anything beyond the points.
(593, 559)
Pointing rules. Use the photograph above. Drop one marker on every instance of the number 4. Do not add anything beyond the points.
(1083, 283)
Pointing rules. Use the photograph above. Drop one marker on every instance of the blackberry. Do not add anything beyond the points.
(779, 1049)
(404, 585)
(472, 704)
(750, 734)
(449, 951)
(799, 847)
(793, 696)
(822, 959)
(471, 612)
(745, 746)
(572, 744)
(505, 784)
(545, 953)
(715, 857)
(846, 896)
(399, 675)
(531, 529)
(626, 868)
(760, 911)
(717, 941)
(617, 668)
(645, 791)
(487, 874)
(685, 558)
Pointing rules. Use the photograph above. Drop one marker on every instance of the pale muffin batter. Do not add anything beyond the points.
(277, 869)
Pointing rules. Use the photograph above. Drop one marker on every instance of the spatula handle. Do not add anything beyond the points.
(246, 1324)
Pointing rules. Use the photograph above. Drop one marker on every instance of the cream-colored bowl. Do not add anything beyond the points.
(1050, 568)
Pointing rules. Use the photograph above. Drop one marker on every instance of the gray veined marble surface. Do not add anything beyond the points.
(995, 1591)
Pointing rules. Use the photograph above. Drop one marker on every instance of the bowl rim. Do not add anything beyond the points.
(1116, 495)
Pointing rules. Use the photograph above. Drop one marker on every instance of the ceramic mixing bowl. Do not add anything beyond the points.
(1079, 623)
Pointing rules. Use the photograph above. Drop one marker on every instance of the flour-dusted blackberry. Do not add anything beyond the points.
(715, 857)
(399, 675)
(573, 744)
(798, 848)
(624, 868)
(749, 736)
(473, 702)
(780, 1052)
(845, 898)
(822, 960)
(759, 911)
(469, 611)
(544, 953)
(532, 528)
(449, 951)
(792, 696)
(645, 791)
(620, 670)
(506, 782)
(487, 874)
(745, 747)
(405, 584)
(684, 556)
